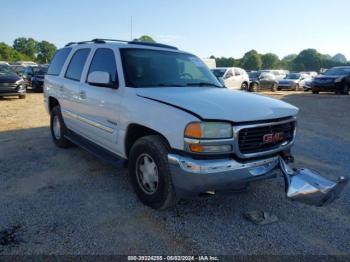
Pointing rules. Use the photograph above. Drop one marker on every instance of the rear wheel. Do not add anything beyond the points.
(58, 128)
(150, 174)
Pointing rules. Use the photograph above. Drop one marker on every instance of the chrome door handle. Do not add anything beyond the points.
(82, 94)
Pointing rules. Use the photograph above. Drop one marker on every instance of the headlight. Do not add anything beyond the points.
(208, 130)
(339, 79)
(208, 137)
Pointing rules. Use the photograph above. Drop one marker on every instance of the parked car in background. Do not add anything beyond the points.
(307, 85)
(293, 81)
(279, 74)
(310, 73)
(25, 63)
(3, 63)
(336, 79)
(232, 77)
(262, 81)
(19, 69)
(10, 83)
(34, 77)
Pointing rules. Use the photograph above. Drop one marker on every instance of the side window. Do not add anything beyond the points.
(104, 60)
(229, 74)
(237, 72)
(76, 64)
(58, 61)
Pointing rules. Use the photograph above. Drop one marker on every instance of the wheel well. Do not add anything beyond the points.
(136, 131)
(52, 103)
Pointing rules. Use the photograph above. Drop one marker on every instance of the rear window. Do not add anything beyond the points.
(58, 61)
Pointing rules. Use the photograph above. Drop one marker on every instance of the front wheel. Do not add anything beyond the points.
(244, 86)
(253, 87)
(274, 87)
(22, 96)
(150, 173)
(345, 90)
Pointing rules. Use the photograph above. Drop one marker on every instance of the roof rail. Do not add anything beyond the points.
(134, 42)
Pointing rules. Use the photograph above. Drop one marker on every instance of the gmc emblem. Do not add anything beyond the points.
(273, 138)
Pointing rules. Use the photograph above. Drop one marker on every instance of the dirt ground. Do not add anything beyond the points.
(55, 201)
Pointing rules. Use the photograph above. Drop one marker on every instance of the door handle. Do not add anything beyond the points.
(82, 94)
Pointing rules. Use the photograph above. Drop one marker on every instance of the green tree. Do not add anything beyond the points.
(225, 61)
(339, 58)
(45, 51)
(7, 53)
(145, 38)
(287, 61)
(27, 46)
(308, 60)
(251, 61)
(270, 61)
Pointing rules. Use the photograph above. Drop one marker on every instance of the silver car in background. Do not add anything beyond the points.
(293, 81)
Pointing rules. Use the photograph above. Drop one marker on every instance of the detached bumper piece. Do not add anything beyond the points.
(309, 187)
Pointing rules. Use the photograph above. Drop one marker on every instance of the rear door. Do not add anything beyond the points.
(99, 105)
(69, 89)
(229, 79)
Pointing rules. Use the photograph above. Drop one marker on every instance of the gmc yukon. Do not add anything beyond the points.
(163, 113)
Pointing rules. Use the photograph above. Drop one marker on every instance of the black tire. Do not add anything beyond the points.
(22, 96)
(274, 87)
(315, 91)
(156, 150)
(253, 87)
(244, 86)
(345, 90)
(59, 139)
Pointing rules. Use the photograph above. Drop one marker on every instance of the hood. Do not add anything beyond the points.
(9, 78)
(324, 77)
(220, 103)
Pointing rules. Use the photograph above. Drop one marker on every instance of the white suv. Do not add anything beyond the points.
(232, 77)
(162, 112)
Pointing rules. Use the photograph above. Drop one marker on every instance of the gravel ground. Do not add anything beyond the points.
(56, 201)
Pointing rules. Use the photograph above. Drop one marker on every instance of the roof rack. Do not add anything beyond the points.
(134, 42)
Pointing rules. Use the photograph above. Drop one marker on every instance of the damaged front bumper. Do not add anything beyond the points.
(194, 177)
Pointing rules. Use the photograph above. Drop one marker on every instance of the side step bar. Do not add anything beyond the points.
(96, 150)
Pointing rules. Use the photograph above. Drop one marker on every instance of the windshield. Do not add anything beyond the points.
(40, 70)
(338, 71)
(6, 71)
(293, 76)
(219, 72)
(156, 68)
(253, 74)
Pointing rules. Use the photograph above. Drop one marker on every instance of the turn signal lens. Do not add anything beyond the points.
(194, 130)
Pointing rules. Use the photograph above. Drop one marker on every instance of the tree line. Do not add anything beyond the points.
(27, 49)
(306, 60)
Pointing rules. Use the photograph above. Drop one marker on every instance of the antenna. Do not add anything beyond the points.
(130, 28)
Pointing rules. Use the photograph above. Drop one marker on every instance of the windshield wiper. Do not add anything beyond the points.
(203, 84)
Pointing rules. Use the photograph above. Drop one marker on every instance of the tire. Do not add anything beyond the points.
(58, 128)
(244, 86)
(151, 153)
(315, 92)
(22, 96)
(345, 90)
(274, 87)
(296, 88)
(253, 87)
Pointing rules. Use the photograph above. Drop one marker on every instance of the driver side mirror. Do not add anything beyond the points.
(100, 78)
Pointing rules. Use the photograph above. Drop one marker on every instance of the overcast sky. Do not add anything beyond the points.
(203, 27)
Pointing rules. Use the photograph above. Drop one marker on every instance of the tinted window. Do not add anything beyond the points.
(104, 60)
(76, 64)
(229, 74)
(58, 61)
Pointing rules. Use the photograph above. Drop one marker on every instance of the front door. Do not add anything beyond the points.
(99, 104)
